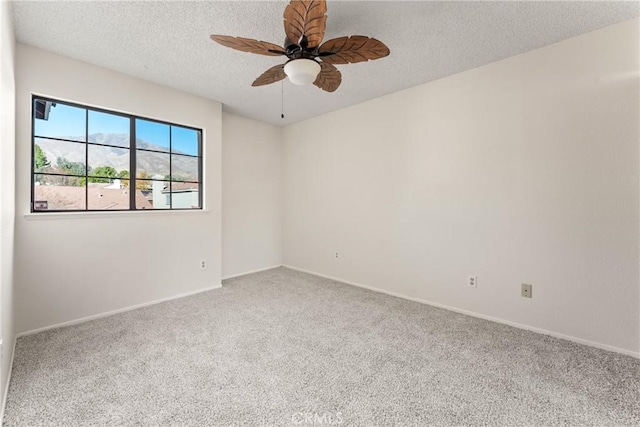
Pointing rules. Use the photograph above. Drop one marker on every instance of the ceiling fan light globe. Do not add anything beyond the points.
(302, 71)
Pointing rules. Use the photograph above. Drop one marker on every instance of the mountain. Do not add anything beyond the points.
(114, 153)
(116, 139)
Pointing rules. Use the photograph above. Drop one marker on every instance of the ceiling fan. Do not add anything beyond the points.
(310, 60)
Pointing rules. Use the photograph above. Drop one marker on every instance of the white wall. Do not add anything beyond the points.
(7, 188)
(69, 266)
(251, 195)
(521, 171)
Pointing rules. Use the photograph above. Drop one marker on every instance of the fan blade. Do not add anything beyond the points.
(349, 50)
(249, 45)
(329, 78)
(306, 18)
(272, 75)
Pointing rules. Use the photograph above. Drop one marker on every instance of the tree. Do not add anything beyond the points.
(124, 176)
(175, 178)
(143, 185)
(40, 159)
(105, 174)
(72, 168)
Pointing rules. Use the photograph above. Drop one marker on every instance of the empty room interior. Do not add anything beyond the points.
(297, 213)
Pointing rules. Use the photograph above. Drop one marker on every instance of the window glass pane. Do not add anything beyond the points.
(41, 162)
(108, 196)
(57, 120)
(152, 135)
(184, 195)
(184, 141)
(109, 129)
(184, 168)
(109, 162)
(58, 193)
(54, 156)
(152, 194)
(152, 165)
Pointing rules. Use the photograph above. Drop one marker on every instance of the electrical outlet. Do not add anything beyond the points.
(526, 290)
(472, 281)
(203, 264)
(337, 255)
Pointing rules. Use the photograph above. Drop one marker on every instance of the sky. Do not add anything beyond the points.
(66, 121)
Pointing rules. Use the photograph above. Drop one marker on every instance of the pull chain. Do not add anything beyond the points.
(282, 101)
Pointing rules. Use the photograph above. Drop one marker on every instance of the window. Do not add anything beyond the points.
(90, 159)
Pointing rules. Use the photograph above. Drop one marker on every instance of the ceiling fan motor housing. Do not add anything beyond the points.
(311, 61)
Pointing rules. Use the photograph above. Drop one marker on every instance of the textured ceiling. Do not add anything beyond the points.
(168, 43)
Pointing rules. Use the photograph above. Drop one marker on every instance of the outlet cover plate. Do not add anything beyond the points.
(472, 281)
(526, 290)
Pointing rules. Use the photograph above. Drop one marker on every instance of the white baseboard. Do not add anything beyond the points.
(120, 310)
(251, 272)
(478, 315)
(6, 388)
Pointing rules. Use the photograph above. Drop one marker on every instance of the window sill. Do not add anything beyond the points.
(30, 216)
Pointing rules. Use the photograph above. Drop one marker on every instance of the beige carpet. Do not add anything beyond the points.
(288, 348)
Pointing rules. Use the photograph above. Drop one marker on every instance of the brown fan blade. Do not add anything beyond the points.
(272, 75)
(329, 78)
(249, 45)
(349, 50)
(306, 18)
